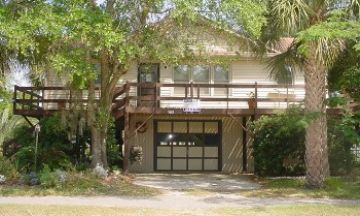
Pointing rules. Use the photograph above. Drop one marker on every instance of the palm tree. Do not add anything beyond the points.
(289, 18)
(7, 120)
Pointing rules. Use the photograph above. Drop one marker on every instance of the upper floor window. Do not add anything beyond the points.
(148, 72)
(201, 73)
(195, 73)
(221, 74)
(182, 73)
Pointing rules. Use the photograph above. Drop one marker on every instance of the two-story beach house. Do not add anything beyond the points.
(190, 116)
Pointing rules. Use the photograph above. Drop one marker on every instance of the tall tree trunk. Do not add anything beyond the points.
(103, 147)
(95, 135)
(96, 147)
(316, 157)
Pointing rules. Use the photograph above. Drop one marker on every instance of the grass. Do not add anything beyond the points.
(334, 187)
(84, 184)
(51, 210)
(303, 210)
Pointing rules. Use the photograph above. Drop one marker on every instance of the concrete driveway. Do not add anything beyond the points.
(206, 181)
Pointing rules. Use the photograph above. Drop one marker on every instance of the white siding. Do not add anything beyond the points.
(55, 80)
(166, 76)
(241, 72)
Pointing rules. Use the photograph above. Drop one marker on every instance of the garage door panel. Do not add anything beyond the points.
(211, 151)
(195, 151)
(163, 164)
(179, 151)
(211, 164)
(179, 164)
(164, 127)
(195, 164)
(164, 151)
(180, 127)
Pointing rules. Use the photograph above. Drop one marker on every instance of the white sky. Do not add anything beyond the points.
(18, 75)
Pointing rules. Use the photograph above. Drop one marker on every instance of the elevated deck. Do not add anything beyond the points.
(165, 98)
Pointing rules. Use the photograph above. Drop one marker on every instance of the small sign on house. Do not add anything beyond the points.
(192, 105)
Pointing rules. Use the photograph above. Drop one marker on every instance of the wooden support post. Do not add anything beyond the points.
(156, 94)
(15, 98)
(244, 141)
(256, 98)
(38, 103)
(192, 90)
(198, 92)
(227, 98)
(126, 142)
(126, 133)
(31, 102)
(42, 98)
(287, 95)
(23, 97)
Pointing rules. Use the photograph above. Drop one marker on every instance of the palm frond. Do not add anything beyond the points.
(284, 66)
(328, 50)
(354, 8)
(290, 15)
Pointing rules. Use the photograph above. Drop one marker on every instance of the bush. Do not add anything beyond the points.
(279, 144)
(57, 147)
(8, 170)
(341, 139)
(31, 179)
(112, 147)
(51, 179)
(54, 148)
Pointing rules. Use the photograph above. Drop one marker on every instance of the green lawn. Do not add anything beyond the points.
(335, 187)
(42, 210)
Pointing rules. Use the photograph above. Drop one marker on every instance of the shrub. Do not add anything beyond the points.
(31, 179)
(279, 143)
(50, 179)
(113, 148)
(54, 148)
(8, 170)
(342, 136)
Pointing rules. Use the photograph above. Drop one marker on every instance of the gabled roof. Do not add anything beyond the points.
(237, 44)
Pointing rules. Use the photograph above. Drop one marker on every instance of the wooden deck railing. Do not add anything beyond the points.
(145, 97)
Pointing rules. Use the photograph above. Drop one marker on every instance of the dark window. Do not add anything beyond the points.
(212, 139)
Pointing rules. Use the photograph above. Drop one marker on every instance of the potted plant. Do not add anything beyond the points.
(252, 101)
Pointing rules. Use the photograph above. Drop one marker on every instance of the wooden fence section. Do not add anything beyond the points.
(165, 98)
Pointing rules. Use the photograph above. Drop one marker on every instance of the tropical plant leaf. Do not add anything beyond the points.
(284, 66)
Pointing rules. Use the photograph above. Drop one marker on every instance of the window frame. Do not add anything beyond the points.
(211, 76)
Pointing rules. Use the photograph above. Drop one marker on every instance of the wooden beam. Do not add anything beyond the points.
(126, 143)
(215, 99)
(126, 155)
(205, 85)
(244, 142)
(28, 121)
(149, 110)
